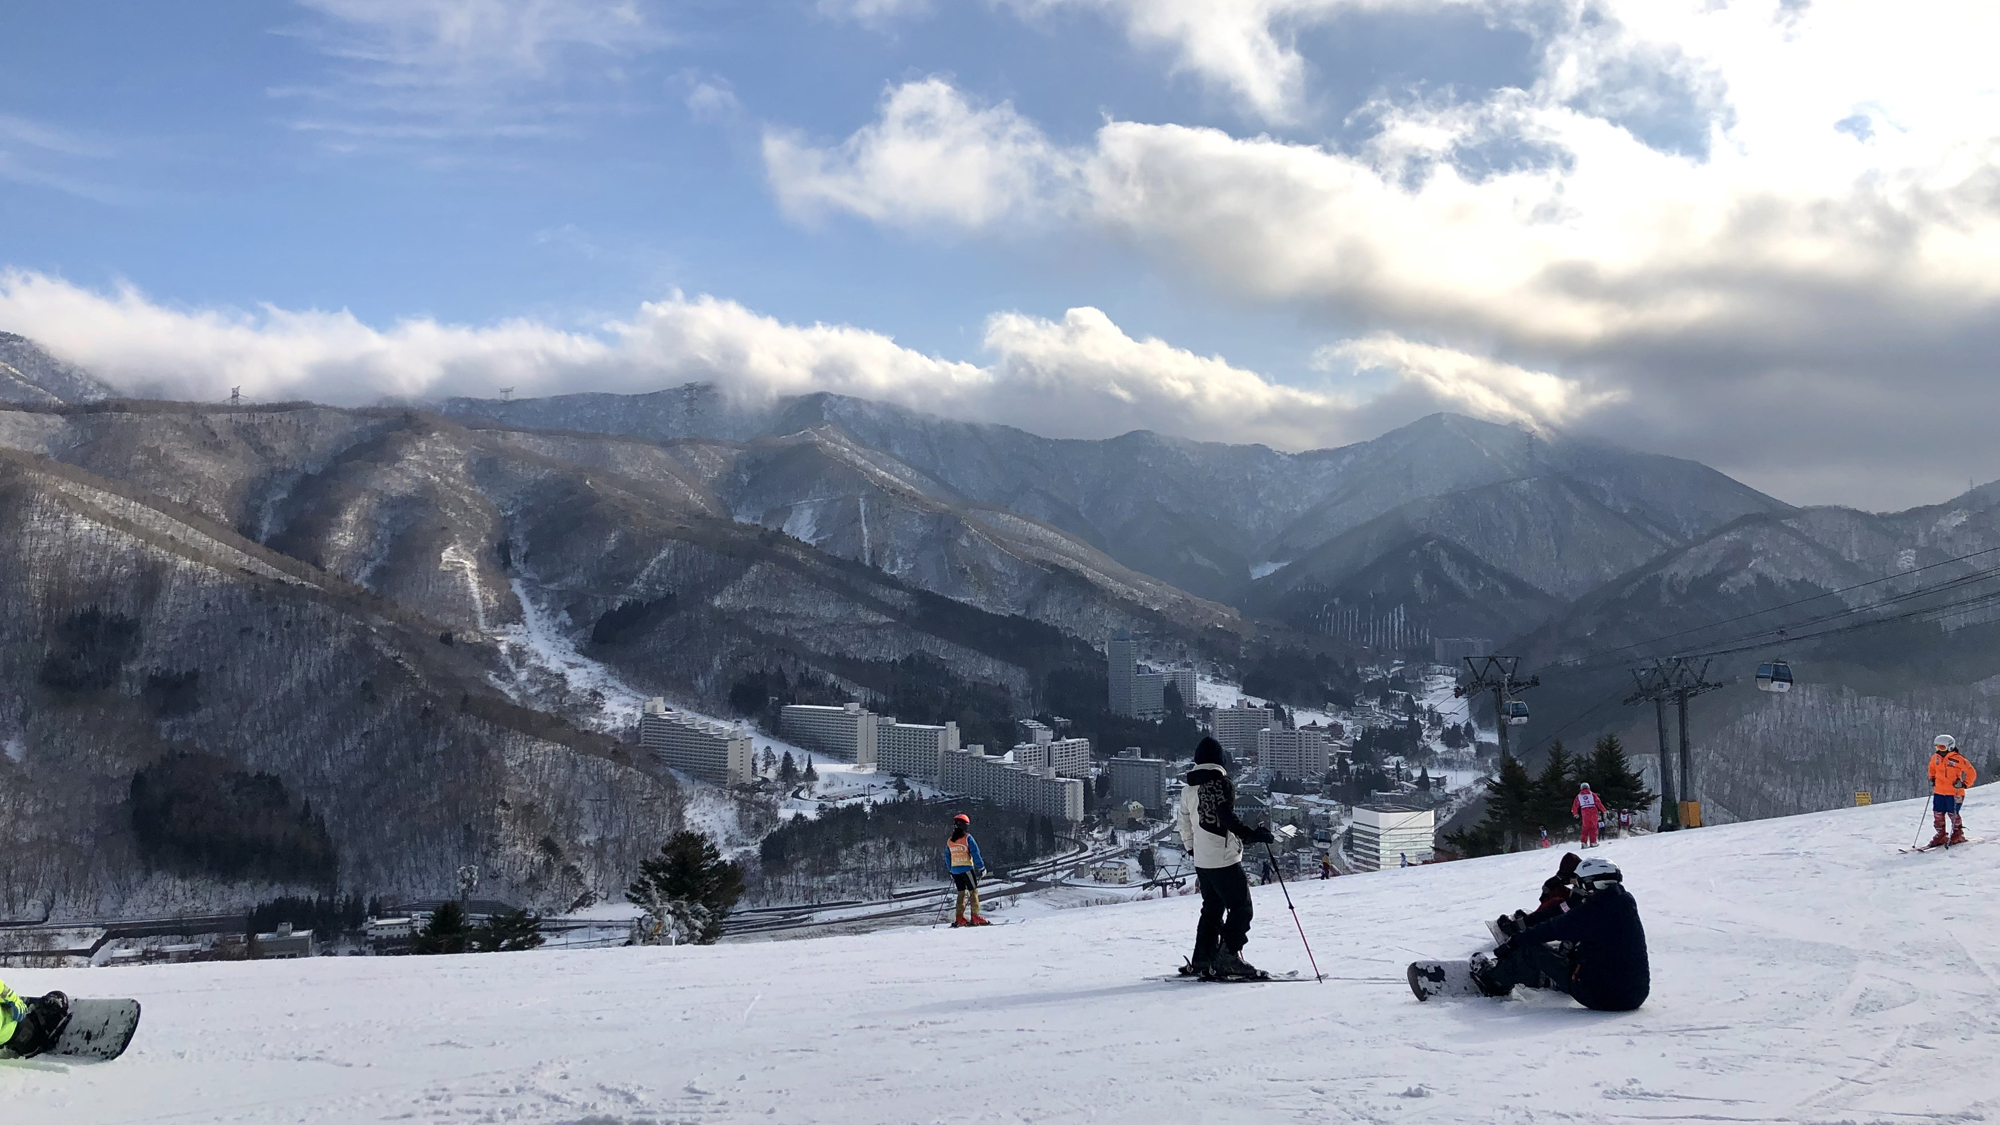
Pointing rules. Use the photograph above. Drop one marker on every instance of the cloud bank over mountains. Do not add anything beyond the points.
(1080, 376)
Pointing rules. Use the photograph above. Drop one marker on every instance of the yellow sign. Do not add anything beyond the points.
(1863, 797)
(1690, 814)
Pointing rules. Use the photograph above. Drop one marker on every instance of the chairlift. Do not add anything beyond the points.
(1774, 676)
(1517, 713)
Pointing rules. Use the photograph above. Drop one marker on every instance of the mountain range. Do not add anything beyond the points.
(509, 577)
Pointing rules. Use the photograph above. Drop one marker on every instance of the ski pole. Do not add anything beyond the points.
(1273, 856)
(1922, 808)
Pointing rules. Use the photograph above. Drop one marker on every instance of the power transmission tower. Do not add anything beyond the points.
(1679, 680)
(1496, 674)
(506, 394)
(236, 396)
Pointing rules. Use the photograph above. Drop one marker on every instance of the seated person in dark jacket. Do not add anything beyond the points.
(1604, 967)
(1555, 899)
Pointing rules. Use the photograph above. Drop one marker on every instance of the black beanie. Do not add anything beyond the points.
(1208, 753)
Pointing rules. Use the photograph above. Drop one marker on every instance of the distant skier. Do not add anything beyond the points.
(1951, 776)
(1555, 898)
(1585, 809)
(1544, 842)
(1605, 968)
(967, 868)
(30, 1025)
(1325, 865)
(1212, 834)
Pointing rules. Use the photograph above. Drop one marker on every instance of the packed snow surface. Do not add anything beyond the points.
(1803, 971)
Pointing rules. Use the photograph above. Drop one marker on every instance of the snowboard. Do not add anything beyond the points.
(1442, 980)
(1969, 840)
(98, 1030)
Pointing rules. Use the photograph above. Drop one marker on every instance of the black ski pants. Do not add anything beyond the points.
(1225, 911)
(1535, 964)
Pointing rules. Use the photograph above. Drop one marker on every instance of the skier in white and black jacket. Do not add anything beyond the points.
(1212, 834)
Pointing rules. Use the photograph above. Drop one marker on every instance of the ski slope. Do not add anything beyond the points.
(1803, 972)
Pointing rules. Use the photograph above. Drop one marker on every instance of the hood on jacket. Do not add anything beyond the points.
(1204, 773)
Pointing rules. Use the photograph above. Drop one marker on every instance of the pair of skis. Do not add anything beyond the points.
(1969, 840)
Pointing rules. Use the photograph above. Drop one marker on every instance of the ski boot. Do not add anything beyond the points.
(959, 921)
(47, 1018)
(1231, 966)
(978, 920)
(1194, 968)
(1939, 840)
(1483, 966)
(1957, 834)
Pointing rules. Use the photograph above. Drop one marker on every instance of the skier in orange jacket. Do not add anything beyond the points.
(1951, 775)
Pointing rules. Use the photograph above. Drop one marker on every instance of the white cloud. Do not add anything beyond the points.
(1471, 384)
(1081, 376)
(1672, 210)
(476, 68)
(873, 13)
(931, 157)
(1244, 46)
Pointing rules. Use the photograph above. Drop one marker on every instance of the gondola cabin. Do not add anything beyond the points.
(1775, 676)
(1517, 713)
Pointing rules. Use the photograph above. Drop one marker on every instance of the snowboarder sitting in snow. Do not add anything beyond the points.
(961, 853)
(1951, 776)
(1605, 970)
(1212, 834)
(30, 1025)
(1555, 898)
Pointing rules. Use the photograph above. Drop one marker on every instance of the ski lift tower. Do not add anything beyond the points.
(1496, 674)
(1679, 680)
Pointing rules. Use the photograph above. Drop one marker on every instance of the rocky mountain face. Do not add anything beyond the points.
(309, 732)
(29, 374)
(1218, 520)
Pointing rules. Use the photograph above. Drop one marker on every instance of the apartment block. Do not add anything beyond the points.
(1298, 755)
(710, 751)
(1135, 777)
(1236, 727)
(1031, 789)
(913, 749)
(850, 733)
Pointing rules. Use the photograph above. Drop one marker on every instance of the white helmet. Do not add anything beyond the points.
(1586, 785)
(1595, 874)
(1946, 741)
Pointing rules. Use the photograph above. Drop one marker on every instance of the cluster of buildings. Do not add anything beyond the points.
(1139, 691)
(1044, 774)
(1293, 753)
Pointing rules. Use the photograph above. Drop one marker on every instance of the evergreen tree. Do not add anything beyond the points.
(1171, 701)
(1555, 789)
(788, 770)
(1424, 779)
(687, 890)
(1510, 801)
(445, 932)
(810, 775)
(1613, 779)
(510, 932)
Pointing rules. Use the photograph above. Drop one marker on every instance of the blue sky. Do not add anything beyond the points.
(1695, 228)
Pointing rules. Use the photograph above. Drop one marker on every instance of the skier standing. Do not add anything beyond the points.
(1213, 835)
(1608, 969)
(1325, 866)
(1585, 809)
(962, 856)
(1951, 775)
(31, 1025)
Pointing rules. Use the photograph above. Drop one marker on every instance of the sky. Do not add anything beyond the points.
(1761, 234)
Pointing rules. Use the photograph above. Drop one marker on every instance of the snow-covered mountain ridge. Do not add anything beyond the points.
(1803, 971)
